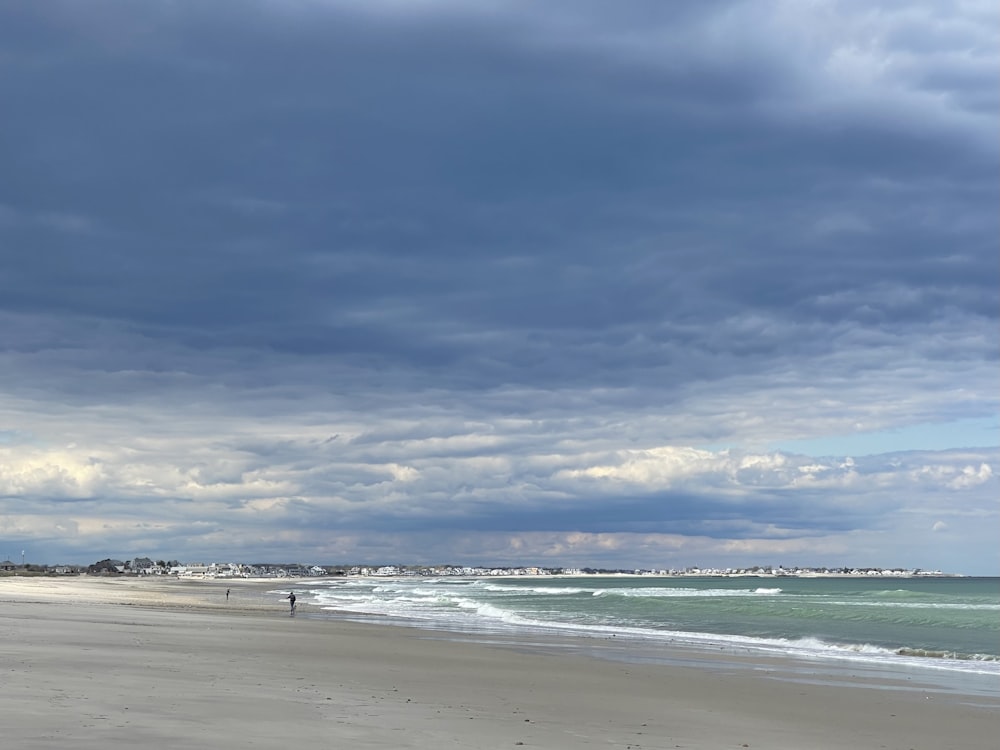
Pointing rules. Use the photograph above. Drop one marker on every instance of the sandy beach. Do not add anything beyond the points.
(98, 663)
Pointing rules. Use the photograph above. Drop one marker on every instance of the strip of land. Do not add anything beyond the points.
(104, 663)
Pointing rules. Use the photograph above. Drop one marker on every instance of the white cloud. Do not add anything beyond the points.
(59, 473)
(972, 476)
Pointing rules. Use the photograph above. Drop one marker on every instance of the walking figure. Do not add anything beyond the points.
(227, 595)
(291, 601)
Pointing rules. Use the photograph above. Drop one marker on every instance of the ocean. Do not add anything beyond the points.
(944, 627)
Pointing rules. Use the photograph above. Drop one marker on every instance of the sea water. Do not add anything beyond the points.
(940, 624)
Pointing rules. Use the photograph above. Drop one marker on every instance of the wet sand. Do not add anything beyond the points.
(98, 663)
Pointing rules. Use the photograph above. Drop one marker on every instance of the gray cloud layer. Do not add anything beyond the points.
(430, 281)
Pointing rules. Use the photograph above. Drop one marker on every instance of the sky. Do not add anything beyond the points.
(625, 285)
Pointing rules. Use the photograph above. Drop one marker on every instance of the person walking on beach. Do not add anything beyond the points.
(291, 601)
(227, 595)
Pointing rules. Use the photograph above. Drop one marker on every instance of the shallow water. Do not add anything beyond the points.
(943, 632)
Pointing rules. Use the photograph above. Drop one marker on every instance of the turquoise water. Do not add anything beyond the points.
(943, 623)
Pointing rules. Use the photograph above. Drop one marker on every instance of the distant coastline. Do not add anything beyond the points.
(148, 567)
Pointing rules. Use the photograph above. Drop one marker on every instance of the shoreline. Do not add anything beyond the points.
(137, 661)
(267, 595)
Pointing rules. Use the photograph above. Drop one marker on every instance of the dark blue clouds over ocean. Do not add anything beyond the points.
(619, 284)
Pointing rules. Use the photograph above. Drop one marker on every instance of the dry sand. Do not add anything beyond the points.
(96, 663)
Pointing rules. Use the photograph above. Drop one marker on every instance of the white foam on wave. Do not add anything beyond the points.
(548, 590)
(921, 605)
(668, 593)
(451, 610)
(482, 608)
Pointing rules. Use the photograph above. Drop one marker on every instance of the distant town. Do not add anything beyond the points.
(144, 566)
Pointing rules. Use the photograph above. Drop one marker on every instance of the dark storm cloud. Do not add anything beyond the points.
(400, 167)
